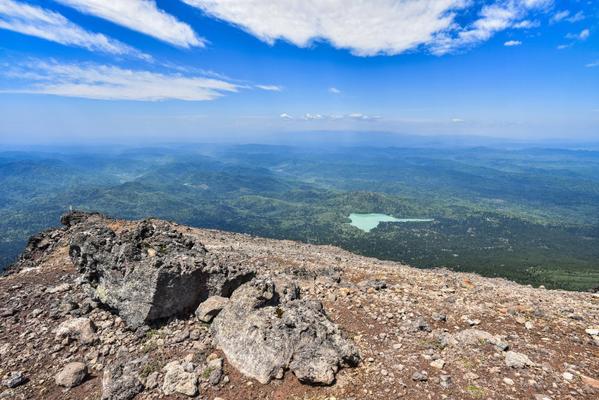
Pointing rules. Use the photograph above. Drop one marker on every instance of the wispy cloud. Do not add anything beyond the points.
(270, 88)
(593, 64)
(106, 82)
(582, 35)
(331, 117)
(142, 16)
(49, 25)
(492, 18)
(565, 15)
(457, 120)
(575, 37)
(512, 43)
(334, 90)
(392, 27)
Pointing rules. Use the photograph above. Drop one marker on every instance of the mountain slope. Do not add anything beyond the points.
(421, 334)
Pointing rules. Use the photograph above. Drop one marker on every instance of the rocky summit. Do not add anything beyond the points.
(111, 309)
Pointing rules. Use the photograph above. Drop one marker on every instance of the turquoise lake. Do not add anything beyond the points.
(367, 222)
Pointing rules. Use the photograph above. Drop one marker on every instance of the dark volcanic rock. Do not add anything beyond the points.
(120, 380)
(150, 272)
(266, 328)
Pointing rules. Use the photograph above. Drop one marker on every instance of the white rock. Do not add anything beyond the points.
(71, 375)
(210, 308)
(517, 360)
(81, 329)
(568, 376)
(177, 380)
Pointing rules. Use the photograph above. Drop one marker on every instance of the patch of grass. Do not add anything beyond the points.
(467, 364)
(206, 373)
(153, 333)
(152, 366)
(475, 391)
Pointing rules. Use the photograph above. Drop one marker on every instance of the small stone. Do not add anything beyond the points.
(82, 329)
(567, 376)
(152, 381)
(439, 317)
(120, 381)
(438, 364)
(420, 376)
(445, 381)
(180, 336)
(422, 325)
(501, 345)
(508, 381)
(71, 375)
(7, 312)
(592, 331)
(517, 360)
(35, 313)
(59, 289)
(210, 308)
(177, 380)
(215, 367)
(14, 379)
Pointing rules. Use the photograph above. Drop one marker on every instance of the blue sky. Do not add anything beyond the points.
(131, 70)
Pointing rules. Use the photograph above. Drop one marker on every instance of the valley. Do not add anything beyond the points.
(530, 215)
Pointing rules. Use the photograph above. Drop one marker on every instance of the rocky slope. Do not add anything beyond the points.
(108, 309)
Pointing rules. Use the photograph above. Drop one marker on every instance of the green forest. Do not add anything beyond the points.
(526, 214)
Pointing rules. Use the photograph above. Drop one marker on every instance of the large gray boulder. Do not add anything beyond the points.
(266, 329)
(149, 272)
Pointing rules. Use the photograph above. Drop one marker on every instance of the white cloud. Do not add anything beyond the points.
(331, 117)
(391, 27)
(39, 22)
(334, 90)
(560, 15)
(457, 120)
(492, 18)
(593, 64)
(582, 35)
(270, 88)
(310, 117)
(362, 117)
(579, 16)
(142, 16)
(512, 43)
(565, 15)
(575, 37)
(105, 82)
